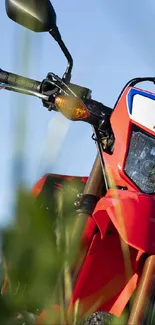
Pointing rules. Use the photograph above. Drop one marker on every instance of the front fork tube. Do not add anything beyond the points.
(143, 297)
(90, 195)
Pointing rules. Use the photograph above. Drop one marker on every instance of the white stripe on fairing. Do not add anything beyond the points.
(143, 111)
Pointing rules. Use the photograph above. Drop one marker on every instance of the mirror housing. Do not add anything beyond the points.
(36, 15)
(39, 16)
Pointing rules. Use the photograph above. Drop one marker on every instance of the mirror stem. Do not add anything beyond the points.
(57, 36)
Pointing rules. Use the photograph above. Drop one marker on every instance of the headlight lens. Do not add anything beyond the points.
(140, 162)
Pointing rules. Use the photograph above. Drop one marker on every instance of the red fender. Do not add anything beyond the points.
(133, 215)
(126, 223)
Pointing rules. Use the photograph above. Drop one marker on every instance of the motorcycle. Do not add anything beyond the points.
(116, 210)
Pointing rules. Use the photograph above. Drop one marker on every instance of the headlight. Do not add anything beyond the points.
(140, 162)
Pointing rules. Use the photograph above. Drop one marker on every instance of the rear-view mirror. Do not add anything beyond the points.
(36, 15)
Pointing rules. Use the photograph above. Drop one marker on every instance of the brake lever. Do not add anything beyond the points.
(46, 98)
(23, 91)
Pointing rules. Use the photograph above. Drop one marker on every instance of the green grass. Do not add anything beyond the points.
(41, 249)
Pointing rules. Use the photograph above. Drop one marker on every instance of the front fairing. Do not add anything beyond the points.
(133, 116)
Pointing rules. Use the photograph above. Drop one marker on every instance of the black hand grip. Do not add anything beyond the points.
(18, 81)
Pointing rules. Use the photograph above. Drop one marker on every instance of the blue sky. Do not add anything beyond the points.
(110, 41)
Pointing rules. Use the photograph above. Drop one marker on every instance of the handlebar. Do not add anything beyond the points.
(50, 87)
(15, 80)
(46, 90)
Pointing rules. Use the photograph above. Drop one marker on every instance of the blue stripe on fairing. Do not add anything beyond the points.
(134, 92)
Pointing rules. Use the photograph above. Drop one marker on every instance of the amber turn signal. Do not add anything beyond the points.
(72, 108)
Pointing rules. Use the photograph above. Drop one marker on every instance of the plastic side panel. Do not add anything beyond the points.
(38, 186)
(133, 215)
(56, 181)
(105, 275)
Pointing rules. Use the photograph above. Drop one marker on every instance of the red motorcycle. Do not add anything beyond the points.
(117, 204)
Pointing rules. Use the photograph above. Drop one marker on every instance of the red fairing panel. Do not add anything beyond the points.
(56, 182)
(109, 277)
(132, 214)
(121, 126)
(105, 282)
